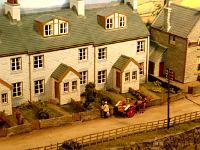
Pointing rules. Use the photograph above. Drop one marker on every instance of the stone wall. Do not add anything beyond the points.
(87, 115)
(54, 122)
(19, 129)
(195, 89)
(176, 141)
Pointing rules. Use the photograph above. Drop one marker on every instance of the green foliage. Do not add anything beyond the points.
(42, 114)
(172, 91)
(97, 103)
(24, 106)
(107, 94)
(70, 145)
(40, 103)
(156, 10)
(137, 94)
(90, 94)
(157, 83)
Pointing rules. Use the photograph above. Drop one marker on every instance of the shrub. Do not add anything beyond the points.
(172, 91)
(42, 114)
(24, 106)
(90, 94)
(40, 103)
(157, 83)
(70, 145)
(137, 94)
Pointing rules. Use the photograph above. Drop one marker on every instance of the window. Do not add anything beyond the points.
(48, 30)
(172, 40)
(198, 64)
(39, 86)
(83, 54)
(109, 23)
(102, 76)
(83, 80)
(16, 64)
(38, 61)
(140, 46)
(63, 28)
(74, 85)
(4, 98)
(142, 69)
(127, 76)
(17, 91)
(122, 21)
(66, 87)
(134, 75)
(102, 53)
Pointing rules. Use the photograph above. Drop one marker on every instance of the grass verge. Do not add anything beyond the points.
(143, 137)
(70, 108)
(107, 94)
(29, 114)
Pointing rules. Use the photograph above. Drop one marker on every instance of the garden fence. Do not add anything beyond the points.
(113, 134)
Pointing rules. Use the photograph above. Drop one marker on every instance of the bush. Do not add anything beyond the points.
(90, 94)
(42, 114)
(70, 145)
(137, 94)
(40, 103)
(24, 106)
(157, 83)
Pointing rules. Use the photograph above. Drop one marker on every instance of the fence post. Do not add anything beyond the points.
(116, 134)
(179, 119)
(109, 136)
(57, 146)
(102, 136)
(190, 116)
(90, 140)
(146, 127)
(157, 125)
(164, 123)
(139, 128)
(50, 146)
(185, 118)
(128, 130)
(121, 132)
(195, 115)
(151, 125)
(174, 121)
(44, 147)
(82, 141)
(97, 137)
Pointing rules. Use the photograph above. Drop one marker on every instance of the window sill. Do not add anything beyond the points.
(16, 72)
(143, 52)
(5, 104)
(82, 61)
(102, 60)
(36, 69)
(39, 94)
(17, 97)
(101, 83)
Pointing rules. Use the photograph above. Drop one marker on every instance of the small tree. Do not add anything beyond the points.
(156, 10)
(90, 94)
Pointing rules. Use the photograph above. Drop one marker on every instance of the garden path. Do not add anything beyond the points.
(143, 89)
(59, 109)
(119, 96)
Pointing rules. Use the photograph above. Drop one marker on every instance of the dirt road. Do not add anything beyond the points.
(59, 134)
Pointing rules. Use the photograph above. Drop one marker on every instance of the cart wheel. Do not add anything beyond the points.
(131, 112)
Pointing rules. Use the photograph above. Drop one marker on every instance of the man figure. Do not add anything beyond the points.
(105, 109)
(18, 116)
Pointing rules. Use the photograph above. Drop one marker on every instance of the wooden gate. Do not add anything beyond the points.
(76, 117)
(117, 79)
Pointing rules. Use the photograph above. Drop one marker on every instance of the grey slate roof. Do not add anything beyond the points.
(106, 12)
(27, 38)
(60, 70)
(156, 51)
(122, 60)
(44, 18)
(182, 20)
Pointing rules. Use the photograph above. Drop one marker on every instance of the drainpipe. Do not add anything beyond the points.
(186, 46)
(147, 59)
(94, 64)
(30, 76)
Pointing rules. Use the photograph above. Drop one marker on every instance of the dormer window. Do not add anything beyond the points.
(111, 19)
(52, 26)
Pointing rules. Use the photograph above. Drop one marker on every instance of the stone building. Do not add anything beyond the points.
(53, 55)
(175, 38)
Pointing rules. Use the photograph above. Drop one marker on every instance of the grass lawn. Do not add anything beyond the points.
(158, 90)
(13, 118)
(70, 108)
(51, 111)
(29, 114)
(107, 94)
(143, 137)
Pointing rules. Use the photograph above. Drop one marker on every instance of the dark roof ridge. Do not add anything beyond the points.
(185, 7)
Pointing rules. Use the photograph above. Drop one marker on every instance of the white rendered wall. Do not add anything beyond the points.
(14, 10)
(6, 106)
(134, 3)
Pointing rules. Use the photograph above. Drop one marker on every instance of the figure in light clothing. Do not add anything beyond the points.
(106, 110)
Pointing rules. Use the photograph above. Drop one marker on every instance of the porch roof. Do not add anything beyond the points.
(6, 84)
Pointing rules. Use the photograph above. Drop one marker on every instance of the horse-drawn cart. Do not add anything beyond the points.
(129, 108)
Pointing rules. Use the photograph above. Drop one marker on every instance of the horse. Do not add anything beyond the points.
(142, 104)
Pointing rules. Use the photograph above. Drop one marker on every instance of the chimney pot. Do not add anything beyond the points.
(134, 3)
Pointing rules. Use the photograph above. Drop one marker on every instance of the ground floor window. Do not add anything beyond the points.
(83, 80)
(134, 75)
(142, 69)
(39, 86)
(4, 98)
(127, 76)
(102, 76)
(74, 85)
(66, 87)
(198, 64)
(17, 91)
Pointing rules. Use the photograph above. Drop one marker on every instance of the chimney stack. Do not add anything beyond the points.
(13, 7)
(166, 21)
(168, 2)
(80, 6)
(134, 3)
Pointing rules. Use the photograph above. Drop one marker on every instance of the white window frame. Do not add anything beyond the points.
(102, 53)
(38, 63)
(142, 69)
(74, 85)
(140, 46)
(64, 29)
(83, 54)
(38, 84)
(127, 76)
(19, 88)
(84, 79)
(16, 64)
(134, 75)
(66, 87)
(109, 23)
(102, 76)
(49, 29)
(123, 21)
(4, 98)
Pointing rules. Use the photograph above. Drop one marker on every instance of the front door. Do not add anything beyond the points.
(161, 68)
(117, 79)
(56, 90)
(151, 67)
